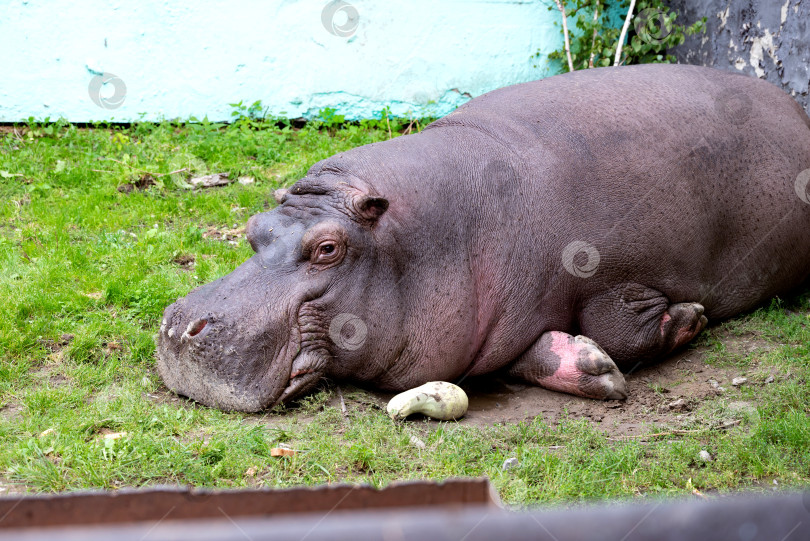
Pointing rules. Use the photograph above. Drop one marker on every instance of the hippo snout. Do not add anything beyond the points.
(223, 350)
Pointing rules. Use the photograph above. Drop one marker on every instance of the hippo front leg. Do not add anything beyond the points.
(571, 364)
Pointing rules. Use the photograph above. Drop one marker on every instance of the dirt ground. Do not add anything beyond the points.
(663, 395)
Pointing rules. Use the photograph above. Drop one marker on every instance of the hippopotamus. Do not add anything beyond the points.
(563, 231)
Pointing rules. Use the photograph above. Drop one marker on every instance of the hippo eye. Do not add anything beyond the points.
(324, 245)
(327, 252)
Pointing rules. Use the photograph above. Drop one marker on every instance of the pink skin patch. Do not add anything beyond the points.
(664, 319)
(299, 373)
(684, 335)
(566, 378)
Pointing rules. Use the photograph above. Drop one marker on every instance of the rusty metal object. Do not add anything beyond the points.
(180, 503)
(458, 510)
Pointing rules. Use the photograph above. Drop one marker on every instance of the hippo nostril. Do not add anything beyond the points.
(196, 327)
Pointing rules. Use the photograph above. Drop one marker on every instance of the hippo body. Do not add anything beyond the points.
(623, 205)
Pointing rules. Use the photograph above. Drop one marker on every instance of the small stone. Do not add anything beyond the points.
(211, 181)
(739, 381)
(246, 180)
(770, 379)
(705, 456)
(416, 442)
(510, 463)
(678, 405)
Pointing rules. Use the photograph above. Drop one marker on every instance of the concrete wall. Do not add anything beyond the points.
(123, 60)
(769, 39)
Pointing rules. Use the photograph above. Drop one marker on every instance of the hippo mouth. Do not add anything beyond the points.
(299, 384)
(306, 371)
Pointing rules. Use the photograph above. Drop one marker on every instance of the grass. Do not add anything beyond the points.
(87, 267)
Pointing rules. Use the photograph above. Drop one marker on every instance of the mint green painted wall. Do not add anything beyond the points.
(181, 59)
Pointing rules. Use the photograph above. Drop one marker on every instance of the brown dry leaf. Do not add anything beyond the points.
(224, 234)
(280, 451)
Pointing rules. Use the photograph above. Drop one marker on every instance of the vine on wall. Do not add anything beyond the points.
(649, 29)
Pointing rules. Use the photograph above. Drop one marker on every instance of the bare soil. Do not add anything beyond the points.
(653, 403)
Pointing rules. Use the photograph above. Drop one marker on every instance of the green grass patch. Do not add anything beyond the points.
(87, 266)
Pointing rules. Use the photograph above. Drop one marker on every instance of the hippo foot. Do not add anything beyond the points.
(636, 324)
(571, 364)
(687, 320)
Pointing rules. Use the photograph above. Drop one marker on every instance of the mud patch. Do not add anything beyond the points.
(11, 412)
(186, 262)
(662, 397)
(141, 183)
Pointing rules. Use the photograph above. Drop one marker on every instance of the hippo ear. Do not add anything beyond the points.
(370, 207)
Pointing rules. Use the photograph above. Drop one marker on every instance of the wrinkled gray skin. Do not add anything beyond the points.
(443, 254)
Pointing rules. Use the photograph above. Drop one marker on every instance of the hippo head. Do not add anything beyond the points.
(297, 310)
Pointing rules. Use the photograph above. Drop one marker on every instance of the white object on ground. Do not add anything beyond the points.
(437, 399)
